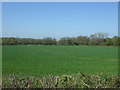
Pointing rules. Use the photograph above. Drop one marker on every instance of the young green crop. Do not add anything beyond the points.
(58, 60)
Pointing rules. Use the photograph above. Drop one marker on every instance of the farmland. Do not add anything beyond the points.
(58, 60)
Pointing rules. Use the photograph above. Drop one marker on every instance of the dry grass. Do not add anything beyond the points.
(79, 80)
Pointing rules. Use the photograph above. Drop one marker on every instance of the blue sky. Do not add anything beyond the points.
(65, 19)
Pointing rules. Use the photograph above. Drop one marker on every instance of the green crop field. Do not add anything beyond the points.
(57, 60)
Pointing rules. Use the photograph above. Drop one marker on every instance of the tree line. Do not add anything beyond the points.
(94, 39)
